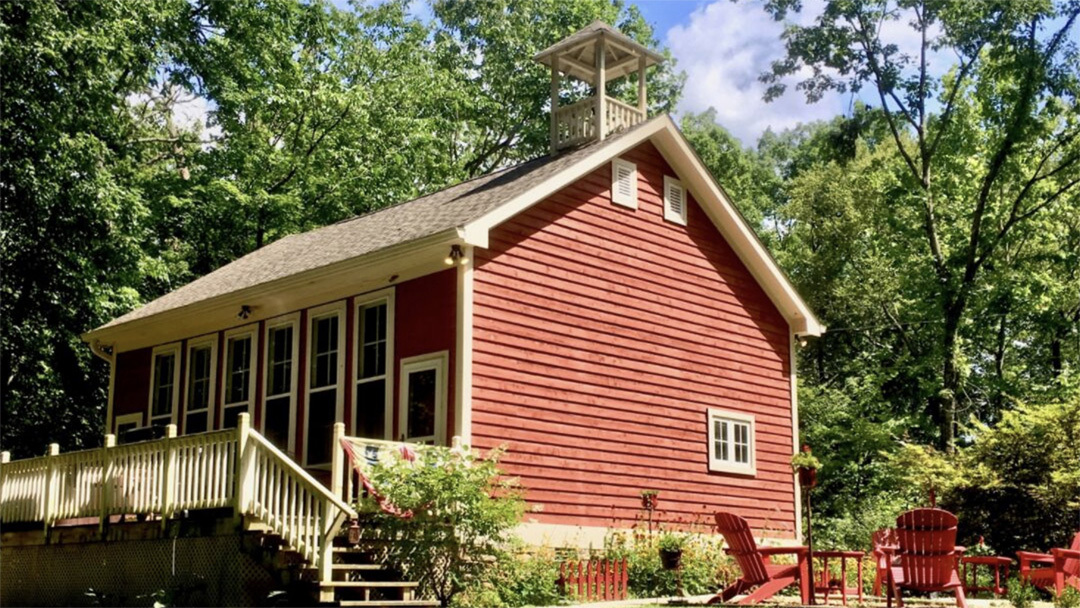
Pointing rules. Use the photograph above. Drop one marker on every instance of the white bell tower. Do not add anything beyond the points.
(595, 55)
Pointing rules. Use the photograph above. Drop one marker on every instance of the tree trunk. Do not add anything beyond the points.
(950, 376)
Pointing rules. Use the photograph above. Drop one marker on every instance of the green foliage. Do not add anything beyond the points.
(1021, 486)
(463, 515)
(805, 460)
(521, 578)
(704, 567)
(1021, 594)
(671, 541)
(1070, 598)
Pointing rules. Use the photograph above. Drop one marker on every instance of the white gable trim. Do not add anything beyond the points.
(697, 180)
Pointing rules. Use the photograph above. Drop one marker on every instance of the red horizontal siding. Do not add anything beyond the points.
(131, 388)
(426, 322)
(602, 335)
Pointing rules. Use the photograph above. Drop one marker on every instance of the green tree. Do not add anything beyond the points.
(989, 146)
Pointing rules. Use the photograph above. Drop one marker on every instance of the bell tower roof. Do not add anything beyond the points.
(576, 53)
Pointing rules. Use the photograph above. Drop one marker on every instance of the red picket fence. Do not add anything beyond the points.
(594, 580)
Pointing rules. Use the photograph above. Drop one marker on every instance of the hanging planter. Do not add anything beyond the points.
(671, 548)
(806, 465)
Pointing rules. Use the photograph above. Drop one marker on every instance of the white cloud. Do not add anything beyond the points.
(724, 49)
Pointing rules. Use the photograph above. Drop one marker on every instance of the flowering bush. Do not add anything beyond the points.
(448, 512)
(704, 568)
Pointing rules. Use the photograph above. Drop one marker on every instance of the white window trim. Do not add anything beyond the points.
(174, 349)
(725, 466)
(136, 418)
(253, 331)
(616, 197)
(211, 341)
(669, 215)
(438, 361)
(314, 314)
(275, 323)
(385, 295)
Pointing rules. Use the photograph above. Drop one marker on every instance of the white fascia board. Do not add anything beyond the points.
(678, 153)
(475, 233)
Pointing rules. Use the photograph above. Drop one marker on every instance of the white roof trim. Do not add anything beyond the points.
(697, 179)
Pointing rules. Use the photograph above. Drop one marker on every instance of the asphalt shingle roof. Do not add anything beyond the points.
(395, 225)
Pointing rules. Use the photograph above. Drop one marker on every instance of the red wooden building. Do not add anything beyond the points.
(604, 311)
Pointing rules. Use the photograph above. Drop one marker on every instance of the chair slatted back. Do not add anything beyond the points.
(741, 544)
(1072, 565)
(927, 546)
(885, 537)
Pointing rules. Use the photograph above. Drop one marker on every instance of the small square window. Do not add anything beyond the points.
(731, 442)
(674, 201)
(624, 183)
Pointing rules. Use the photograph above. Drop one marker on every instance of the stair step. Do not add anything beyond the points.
(371, 584)
(354, 567)
(403, 603)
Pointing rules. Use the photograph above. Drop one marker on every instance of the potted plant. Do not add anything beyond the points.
(671, 548)
(806, 465)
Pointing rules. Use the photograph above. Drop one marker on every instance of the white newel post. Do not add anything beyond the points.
(107, 482)
(168, 475)
(245, 478)
(329, 516)
(601, 90)
(50, 485)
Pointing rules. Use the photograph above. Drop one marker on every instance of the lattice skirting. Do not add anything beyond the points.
(192, 571)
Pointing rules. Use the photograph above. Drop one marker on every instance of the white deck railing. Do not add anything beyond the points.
(235, 468)
(576, 123)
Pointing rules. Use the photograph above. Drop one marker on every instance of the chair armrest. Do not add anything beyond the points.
(1029, 556)
(958, 550)
(1065, 553)
(782, 550)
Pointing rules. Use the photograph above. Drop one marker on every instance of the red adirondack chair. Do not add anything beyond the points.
(926, 555)
(757, 568)
(884, 543)
(1058, 568)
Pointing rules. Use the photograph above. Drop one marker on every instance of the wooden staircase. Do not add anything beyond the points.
(359, 576)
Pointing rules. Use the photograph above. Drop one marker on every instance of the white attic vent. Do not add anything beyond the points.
(624, 183)
(674, 201)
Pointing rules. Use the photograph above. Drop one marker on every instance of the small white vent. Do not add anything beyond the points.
(674, 201)
(624, 183)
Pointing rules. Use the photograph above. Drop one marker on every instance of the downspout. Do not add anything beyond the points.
(107, 353)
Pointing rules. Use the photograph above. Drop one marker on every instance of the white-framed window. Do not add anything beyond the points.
(241, 344)
(624, 180)
(423, 398)
(326, 371)
(125, 423)
(282, 340)
(731, 442)
(373, 366)
(200, 383)
(164, 384)
(674, 200)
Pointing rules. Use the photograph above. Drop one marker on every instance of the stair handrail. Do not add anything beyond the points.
(313, 484)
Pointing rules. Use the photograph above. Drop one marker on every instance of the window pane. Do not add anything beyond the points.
(421, 403)
(279, 376)
(195, 423)
(722, 442)
(324, 355)
(231, 415)
(277, 421)
(370, 409)
(164, 366)
(320, 431)
(238, 370)
(372, 347)
(199, 379)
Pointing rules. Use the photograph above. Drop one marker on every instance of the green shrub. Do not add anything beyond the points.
(704, 566)
(462, 516)
(1021, 594)
(1070, 598)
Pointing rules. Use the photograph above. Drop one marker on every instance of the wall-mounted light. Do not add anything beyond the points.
(245, 312)
(456, 256)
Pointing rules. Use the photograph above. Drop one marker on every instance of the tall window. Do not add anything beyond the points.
(200, 387)
(323, 389)
(279, 416)
(423, 398)
(731, 442)
(164, 387)
(371, 366)
(239, 375)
